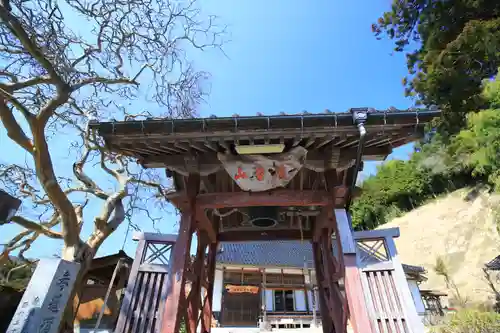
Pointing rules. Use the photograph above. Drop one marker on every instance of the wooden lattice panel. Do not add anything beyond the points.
(157, 254)
(388, 298)
(146, 302)
(372, 251)
(147, 286)
(384, 299)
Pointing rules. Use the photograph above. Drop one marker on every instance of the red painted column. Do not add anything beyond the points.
(332, 272)
(326, 321)
(206, 320)
(359, 317)
(194, 299)
(171, 318)
(360, 320)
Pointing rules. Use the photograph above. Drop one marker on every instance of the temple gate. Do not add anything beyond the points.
(270, 178)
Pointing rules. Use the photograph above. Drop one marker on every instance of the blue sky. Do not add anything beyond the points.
(283, 56)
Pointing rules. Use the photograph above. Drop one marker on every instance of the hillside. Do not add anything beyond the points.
(463, 233)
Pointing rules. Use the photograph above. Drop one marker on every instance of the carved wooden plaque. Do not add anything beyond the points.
(232, 289)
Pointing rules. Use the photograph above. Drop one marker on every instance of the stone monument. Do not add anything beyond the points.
(42, 305)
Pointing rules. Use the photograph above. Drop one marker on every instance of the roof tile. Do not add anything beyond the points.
(276, 253)
(494, 264)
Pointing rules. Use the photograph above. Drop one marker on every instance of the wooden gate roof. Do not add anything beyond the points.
(167, 142)
(193, 146)
(155, 142)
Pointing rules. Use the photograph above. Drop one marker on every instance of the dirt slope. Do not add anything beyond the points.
(463, 233)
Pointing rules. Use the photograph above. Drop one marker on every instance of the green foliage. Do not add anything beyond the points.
(19, 276)
(452, 47)
(401, 186)
(440, 267)
(496, 216)
(472, 321)
(492, 92)
(441, 165)
(478, 146)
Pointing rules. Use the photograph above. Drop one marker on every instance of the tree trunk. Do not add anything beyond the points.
(83, 255)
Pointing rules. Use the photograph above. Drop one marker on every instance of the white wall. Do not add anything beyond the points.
(218, 287)
(417, 298)
(300, 300)
(269, 299)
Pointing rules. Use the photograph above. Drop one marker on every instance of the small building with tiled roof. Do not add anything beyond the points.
(494, 264)
(276, 279)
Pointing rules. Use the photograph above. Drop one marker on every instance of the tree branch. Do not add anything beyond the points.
(78, 172)
(36, 227)
(97, 193)
(103, 80)
(18, 105)
(14, 131)
(14, 244)
(54, 89)
(48, 180)
(49, 109)
(155, 185)
(11, 87)
(34, 230)
(110, 204)
(7, 278)
(17, 30)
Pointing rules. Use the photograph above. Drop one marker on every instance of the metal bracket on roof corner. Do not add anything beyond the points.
(360, 115)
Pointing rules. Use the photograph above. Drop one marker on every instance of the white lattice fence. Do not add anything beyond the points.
(388, 297)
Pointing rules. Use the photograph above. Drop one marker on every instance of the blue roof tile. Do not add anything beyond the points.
(291, 254)
(266, 253)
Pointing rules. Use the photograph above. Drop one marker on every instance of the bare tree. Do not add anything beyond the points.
(65, 63)
(492, 279)
(442, 269)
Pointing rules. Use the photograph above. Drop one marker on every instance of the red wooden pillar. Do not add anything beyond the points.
(334, 272)
(328, 273)
(360, 320)
(206, 320)
(172, 313)
(326, 321)
(194, 298)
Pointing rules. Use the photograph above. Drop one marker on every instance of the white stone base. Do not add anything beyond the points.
(235, 330)
(257, 330)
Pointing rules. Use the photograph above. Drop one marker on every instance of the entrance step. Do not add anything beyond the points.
(235, 330)
(257, 330)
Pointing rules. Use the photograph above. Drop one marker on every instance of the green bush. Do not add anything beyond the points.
(440, 165)
(472, 321)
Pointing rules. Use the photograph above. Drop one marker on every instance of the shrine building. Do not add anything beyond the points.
(273, 284)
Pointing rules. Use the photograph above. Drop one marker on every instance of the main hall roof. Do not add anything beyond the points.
(279, 254)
